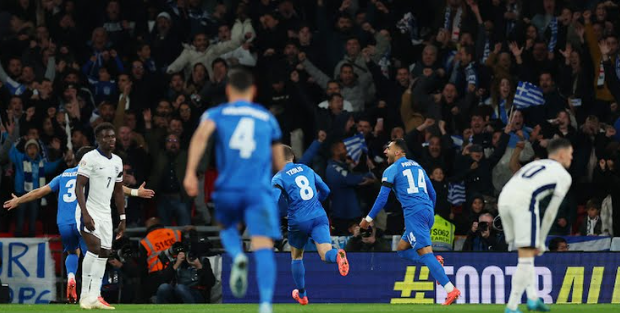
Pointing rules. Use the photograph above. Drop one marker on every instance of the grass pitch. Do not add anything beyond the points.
(312, 308)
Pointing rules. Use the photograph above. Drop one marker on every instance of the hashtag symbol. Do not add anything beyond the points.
(409, 284)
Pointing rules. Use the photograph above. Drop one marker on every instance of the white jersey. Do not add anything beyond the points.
(534, 181)
(102, 175)
(518, 203)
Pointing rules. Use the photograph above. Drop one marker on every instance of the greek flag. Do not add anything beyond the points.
(456, 193)
(355, 146)
(528, 95)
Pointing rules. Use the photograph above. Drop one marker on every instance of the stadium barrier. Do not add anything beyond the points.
(568, 277)
(28, 268)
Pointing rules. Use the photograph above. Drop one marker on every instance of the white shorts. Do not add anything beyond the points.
(103, 226)
(521, 225)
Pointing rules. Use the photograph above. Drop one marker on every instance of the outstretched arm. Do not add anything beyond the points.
(30, 196)
(140, 192)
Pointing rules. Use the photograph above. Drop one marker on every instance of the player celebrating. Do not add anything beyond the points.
(417, 197)
(246, 137)
(64, 184)
(101, 172)
(519, 208)
(304, 191)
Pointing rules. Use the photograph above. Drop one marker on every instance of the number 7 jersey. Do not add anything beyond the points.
(102, 174)
(244, 133)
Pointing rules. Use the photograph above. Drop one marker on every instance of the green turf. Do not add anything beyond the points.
(313, 308)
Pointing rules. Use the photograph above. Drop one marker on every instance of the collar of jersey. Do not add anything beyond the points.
(105, 156)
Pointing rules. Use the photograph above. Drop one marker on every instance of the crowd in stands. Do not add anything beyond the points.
(447, 76)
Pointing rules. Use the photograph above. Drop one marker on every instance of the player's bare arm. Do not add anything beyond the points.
(277, 156)
(197, 147)
(30, 196)
(119, 201)
(80, 184)
(141, 192)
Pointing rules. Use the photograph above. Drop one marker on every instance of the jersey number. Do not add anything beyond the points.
(305, 191)
(109, 180)
(70, 196)
(533, 171)
(242, 138)
(410, 179)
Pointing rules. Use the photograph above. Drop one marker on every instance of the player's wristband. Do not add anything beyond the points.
(368, 219)
(123, 217)
(134, 192)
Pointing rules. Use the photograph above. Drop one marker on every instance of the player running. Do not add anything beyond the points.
(64, 184)
(101, 172)
(246, 147)
(417, 197)
(519, 208)
(304, 191)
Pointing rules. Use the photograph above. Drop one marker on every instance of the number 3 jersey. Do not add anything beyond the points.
(244, 133)
(102, 174)
(411, 185)
(64, 184)
(303, 190)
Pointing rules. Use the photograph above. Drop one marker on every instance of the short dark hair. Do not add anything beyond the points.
(556, 144)
(289, 155)
(555, 242)
(219, 60)
(593, 203)
(82, 151)
(334, 95)
(346, 65)
(401, 144)
(103, 127)
(240, 79)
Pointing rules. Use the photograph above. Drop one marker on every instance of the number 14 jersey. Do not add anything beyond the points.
(411, 185)
(244, 133)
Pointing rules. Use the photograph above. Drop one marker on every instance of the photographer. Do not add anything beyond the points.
(366, 240)
(120, 281)
(189, 280)
(158, 240)
(483, 236)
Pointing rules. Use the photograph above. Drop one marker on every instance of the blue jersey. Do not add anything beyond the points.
(411, 185)
(244, 133)
(303, 189)
(64, 184)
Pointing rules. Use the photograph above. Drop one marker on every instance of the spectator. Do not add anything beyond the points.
(484, 237)
(592, 224)
(558, 244)
(189, 281)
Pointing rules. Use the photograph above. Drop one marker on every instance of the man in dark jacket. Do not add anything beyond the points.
(484, 237)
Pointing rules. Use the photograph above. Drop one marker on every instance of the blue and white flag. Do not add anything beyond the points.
(528, 95)
(355, 146)
(456, 193)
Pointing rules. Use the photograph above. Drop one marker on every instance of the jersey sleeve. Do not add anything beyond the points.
(276, 133)
(55, 184)
(119, 167)
(389, 174)
(210, 114)
(87, 166)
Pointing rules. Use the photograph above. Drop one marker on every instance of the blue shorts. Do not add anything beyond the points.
(255, 208)
(71, 238)
(316, 228)
(418, 228)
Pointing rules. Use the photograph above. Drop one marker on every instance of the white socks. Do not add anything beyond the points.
(448, 287)
(70, 276)
(531, 290)
(97, 272)
(521, 279)
(87, 266)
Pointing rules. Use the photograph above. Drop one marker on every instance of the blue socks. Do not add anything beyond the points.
(299, 276)
(410, 255)
(435, 267)
(231, 241)
(71, 263)
(331, 255)
(266, 266)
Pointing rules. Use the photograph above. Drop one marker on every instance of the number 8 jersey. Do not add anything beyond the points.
(102, 174)
(244, 133)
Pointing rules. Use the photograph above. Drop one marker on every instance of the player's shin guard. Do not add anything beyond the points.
(97, 276)
(520, 280)
(299, 276)
(265, 273)
(87, 268)
(436, 269)
(331, 256)
(410, 255)
(71, 264)
(231, 241)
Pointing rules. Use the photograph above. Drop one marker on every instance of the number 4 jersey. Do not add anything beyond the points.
(64, 184)
(410, 184)
(244, 133)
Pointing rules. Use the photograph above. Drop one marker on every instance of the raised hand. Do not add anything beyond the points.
(145, 193)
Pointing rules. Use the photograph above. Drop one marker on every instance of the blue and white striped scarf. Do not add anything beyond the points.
(29, 175)
(553, 41)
